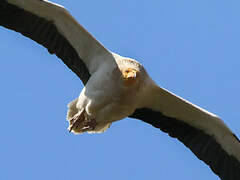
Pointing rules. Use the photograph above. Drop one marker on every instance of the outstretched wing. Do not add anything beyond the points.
(204, 133)
(53, 27)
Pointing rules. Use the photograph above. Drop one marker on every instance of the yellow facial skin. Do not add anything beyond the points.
(129, 76)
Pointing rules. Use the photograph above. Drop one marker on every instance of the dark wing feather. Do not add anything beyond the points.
(45, 33)
(44, 29)
(204, 146)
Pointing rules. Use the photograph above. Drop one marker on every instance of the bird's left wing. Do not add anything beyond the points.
(204, 133)
(52, 26)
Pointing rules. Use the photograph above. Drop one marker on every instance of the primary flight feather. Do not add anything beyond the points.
(117, 87)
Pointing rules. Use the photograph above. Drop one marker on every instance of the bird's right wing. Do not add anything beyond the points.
(202, 132)
(53, 27)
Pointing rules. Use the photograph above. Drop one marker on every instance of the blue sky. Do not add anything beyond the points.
(189, 47)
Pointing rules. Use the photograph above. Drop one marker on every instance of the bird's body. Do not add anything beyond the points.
(117, 87)
(112, 93)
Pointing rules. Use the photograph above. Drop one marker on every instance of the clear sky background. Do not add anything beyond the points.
(189, 47)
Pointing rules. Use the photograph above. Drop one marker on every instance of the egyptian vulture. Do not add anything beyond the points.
(117, 87)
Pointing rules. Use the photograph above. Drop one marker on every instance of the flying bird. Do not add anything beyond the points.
(117, 87)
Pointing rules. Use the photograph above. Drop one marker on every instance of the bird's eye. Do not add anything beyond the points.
(127, 71)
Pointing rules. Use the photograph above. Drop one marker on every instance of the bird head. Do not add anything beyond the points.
(130, 76)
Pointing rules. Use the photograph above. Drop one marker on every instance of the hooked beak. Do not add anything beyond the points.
(129, 76)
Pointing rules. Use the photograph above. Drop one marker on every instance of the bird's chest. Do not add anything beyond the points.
(106, 96)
